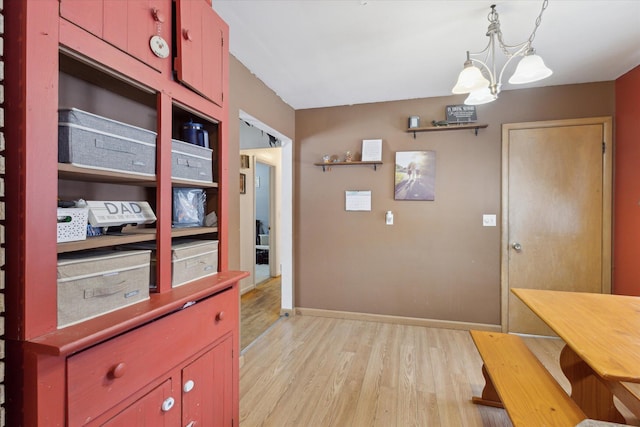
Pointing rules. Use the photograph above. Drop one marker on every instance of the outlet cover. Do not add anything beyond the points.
(488, 220)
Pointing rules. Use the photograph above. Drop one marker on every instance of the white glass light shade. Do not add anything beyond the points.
(530, 69)
(479, 97)
(470, 79)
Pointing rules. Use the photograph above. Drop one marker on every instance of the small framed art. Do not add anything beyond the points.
(243, 183)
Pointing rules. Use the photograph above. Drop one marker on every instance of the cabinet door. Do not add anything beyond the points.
(85, 14)
(158, 408)
(126, 24)
(200, 39)
(207, 388)
(129, 25)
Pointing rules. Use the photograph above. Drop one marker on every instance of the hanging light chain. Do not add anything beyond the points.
(545, 3)
(496, 24)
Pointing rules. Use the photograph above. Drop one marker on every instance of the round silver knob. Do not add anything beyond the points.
(168, 404)
(517, 246)
(188, 386)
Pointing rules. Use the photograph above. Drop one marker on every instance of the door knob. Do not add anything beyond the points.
(158, 16)
(517, 246)
(168, 404)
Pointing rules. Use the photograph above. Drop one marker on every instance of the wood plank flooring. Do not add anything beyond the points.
(321, 372)
(259, 309)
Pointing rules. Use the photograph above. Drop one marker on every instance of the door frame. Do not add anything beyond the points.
(285, 243)
(273, 223)
(607, 201)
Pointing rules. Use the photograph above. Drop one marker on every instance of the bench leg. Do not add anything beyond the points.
(587, 390)
(489, 394)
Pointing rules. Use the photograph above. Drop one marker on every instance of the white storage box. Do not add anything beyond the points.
(92, 141)
(191, 162)
(191, 259)
(94, 283)
(72, 224)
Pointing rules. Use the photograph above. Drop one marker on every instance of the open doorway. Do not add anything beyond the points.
(266, 220)
(260, 216)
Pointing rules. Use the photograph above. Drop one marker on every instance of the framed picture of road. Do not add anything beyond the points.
(415, 175)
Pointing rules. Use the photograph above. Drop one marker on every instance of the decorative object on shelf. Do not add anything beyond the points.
(473, 80)
(439, 123)
(243, 183)
(459, 114)
(188, 207)
(244, 161)
(371, 150)
(326, 158)
(118, 213)
(414, 122)
(415, 176)
(195, 133)
(348, 156)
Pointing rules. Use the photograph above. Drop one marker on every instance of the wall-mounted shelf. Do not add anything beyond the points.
(330, 164)
(474, 126)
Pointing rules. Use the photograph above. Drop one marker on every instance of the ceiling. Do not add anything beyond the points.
(321, 53)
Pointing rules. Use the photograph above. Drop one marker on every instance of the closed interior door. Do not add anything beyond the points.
(556, 213)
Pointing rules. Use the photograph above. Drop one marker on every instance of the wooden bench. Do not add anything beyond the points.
(517, 381)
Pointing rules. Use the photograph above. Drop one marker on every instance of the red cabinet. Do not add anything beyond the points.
(128, 366)
(200, 39)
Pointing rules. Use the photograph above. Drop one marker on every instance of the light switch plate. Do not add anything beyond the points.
(488, 220)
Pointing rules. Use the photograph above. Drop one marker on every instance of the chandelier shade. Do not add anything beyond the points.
(482, 78)
(530, 69)
(480, 96)
(470, 79)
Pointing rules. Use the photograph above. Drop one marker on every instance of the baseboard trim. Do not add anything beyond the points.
(412, 321)
(247, 289)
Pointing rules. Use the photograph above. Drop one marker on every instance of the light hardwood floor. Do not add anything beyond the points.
(259, 309)
(320, 372)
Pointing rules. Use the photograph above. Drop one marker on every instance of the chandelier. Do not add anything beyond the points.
(480, 78)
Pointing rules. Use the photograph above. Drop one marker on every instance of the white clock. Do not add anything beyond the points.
(159, 47)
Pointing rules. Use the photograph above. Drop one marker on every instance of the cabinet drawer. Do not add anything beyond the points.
(102, 376)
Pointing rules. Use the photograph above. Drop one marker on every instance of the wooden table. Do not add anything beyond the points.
(602, 351)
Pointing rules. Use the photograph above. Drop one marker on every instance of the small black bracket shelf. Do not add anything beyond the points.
(329, 165)
(473, 126)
